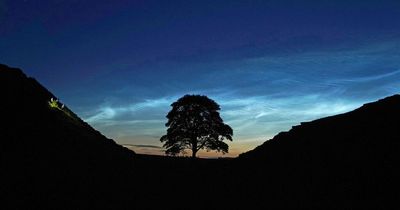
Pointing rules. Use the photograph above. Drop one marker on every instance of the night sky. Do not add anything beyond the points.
(269, 64)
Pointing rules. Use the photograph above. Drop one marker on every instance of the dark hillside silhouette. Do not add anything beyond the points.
(49, 156)
(347, 160)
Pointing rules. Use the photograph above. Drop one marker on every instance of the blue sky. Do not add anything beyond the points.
(269, 64)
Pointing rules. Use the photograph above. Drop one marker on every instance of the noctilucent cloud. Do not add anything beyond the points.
(269, 64)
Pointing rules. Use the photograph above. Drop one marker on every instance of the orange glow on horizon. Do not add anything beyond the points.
(235, 149)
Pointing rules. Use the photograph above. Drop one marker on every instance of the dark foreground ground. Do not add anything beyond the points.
(239, 184)
(181, 183)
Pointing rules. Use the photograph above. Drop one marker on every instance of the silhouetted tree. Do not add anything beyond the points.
(194, 123)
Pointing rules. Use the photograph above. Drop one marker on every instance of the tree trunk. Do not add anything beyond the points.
(194, 154)
(194, 148)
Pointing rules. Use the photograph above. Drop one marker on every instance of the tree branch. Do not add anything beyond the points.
(202, 145)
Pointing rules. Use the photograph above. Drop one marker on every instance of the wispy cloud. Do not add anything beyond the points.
(103, 113)
(262, 96)
(379, 76)
(107, 113)
(142, 146)
(145, 149)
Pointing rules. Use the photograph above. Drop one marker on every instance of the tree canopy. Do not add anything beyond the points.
(194, 123)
